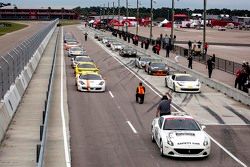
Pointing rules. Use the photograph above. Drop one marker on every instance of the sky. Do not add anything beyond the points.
(192, 4)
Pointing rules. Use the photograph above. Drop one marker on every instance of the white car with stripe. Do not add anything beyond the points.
(90, 82)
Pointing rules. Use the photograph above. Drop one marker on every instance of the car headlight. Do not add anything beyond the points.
(81, 82)
(205, 143)
(101, 83)
(179, 84)
(169, 141)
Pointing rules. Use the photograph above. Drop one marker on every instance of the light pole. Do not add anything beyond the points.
(113, 10)
(172, 28)
(151, 23)
(119, 12)
(204, 28)
(137, 16)
(127, 15)
(108, 14)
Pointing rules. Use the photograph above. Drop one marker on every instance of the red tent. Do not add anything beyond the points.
(126, 21)
(167, 25)
(115, 22)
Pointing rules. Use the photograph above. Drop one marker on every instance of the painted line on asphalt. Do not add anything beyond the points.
(132, 127)
(228, 152)
(65, 141)
(111, 94)
(136, 75)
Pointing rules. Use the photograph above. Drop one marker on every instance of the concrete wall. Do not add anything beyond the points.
(13, 96)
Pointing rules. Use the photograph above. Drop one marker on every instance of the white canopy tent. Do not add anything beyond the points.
(163, 22)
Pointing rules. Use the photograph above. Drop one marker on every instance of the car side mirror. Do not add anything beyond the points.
(203, 127)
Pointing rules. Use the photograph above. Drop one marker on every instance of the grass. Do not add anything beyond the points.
(69, 22)
(7, 27)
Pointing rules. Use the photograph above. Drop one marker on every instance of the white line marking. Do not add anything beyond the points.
(229, 153)
(111, 94)
(65, 141)
(132, 127)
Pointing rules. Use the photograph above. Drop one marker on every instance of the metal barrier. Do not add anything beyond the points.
(43, 127)
(12, 64)
(221, 64)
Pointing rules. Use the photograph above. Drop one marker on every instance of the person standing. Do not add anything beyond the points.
(142, 42)
(190, 61)
(164, 107)
(209, 66)
(140, 92)
(205, 48)
(213, 60)
(189, 45)
(157, 48)
(147, 43)
(86, 36)
(167, 50)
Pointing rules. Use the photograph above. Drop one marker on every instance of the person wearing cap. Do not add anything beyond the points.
(164, 106)
(140, 92)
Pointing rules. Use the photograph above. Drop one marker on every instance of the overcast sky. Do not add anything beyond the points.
(192, 4)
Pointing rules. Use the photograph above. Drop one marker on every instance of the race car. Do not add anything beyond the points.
(154, 68)
(182, 82)
(70, 44)
(90, 82)
(76, 51)
(180, 136)
(128, 51)
(142, 60)
(79, 59)
(84, 67)
(116, 46)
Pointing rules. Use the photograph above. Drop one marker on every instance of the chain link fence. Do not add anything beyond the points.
(12, 64)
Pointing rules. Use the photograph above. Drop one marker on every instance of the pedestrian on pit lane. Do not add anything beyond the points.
(190, 61)
(140, 92)
(86, 36)
(210, 66)
(164, 107)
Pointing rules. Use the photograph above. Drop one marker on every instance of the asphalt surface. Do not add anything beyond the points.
(101, 135)
(12, 40)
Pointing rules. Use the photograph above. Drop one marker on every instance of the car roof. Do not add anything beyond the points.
(182, 74)
(177, 116)
(87, 63)
(90, 72)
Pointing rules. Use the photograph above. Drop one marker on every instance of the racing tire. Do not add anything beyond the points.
(161, 149)
(174, 88)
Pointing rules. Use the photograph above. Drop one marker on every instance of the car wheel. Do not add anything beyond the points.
(161, 149)
(152, 137)
(174, 87)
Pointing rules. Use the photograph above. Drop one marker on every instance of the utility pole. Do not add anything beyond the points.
(108, 14)
(127, 15)
(119, 12)
(204, 29)
(100, 14)
(151, 24)
(172, 28)
(113, 10)
(137, 16)
(103, 11)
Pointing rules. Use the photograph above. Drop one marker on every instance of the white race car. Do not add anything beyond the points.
(116, 46)
(90, 82)
(76, 51)
(182, 82)
(180, 136)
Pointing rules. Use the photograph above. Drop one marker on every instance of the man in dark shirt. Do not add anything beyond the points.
(210, 66)
(164, 106)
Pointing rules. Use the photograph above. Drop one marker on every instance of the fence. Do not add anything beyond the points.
(12, 64)
(221, 64)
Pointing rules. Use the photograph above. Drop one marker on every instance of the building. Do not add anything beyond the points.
(37, 14)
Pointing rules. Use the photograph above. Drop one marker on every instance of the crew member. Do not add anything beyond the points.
(140, 91)
(164, 106)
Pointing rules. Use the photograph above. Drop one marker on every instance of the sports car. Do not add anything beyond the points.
(76, 51)
(128, 51)
(106, 39)
(78, 59)
(70, 44)
(110, 41)
(96, 35)
(180, 136)
(183, 83)
(116, 46)
(154, 68)
(90, 82)
(84, 67)
(142, 60)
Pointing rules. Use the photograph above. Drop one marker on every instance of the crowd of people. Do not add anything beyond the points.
(242, 80)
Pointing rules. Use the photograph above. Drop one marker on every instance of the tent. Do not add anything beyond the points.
(91, 21)
(163, 22)
(115, 22)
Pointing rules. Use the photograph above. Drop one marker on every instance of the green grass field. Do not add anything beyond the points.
(69, 22)
(7, 27)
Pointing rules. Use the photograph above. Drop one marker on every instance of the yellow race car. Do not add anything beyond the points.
(84, 67)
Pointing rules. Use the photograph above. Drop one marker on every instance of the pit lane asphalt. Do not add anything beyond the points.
(101, 136)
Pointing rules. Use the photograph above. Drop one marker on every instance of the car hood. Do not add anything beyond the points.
(188, 83)
(157, 68)
(92, 82)
(186, 138)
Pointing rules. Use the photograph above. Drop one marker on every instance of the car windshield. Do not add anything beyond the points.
(146, 59)
(185, 78)
(127, 48)
(156, 60)
(86, 66)
(90, 77)
(161, 65)
(72, 43)
(82, 59)
(76, 49)
(180, 124)
(116, 43)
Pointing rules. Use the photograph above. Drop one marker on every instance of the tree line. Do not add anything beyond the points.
(158, 13)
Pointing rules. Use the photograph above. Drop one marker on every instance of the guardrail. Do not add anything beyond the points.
(12, 64)
(43, 127)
